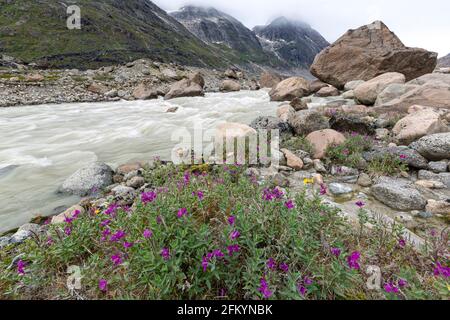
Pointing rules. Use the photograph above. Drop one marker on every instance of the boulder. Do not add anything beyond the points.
(129, 167)
(88, 180)
(355, 109)
(367, 52)
(316, 85)
(368, 92)
(438, 166)
(289, 89)
(197, 78)
(34, 77)
(351, 85)
(327, 91)
(60, 218)
(431, 78)
(307, 121)
(393, 91)
(339, 189)
(285, 112)
(97, 88)
(411, 157)
(300, 104)
(144, 92)
(438, 207)
(293, 161)
(419, 124)
(231, 73)
(272, 123)
(443, 177)
(434, 147)
(230, 86)
(398, 194)
(269, 80)
(321, 139)
(185, 88)
(352, 123)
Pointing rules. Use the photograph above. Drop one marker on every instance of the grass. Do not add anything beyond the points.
(312, 250)
(387, 164)
(298, 143)
(349, 153)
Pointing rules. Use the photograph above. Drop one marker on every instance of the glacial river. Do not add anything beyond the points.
(40, 146)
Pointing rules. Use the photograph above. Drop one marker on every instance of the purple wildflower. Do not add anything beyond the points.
(104, 223)
(120, 234)
(186, 178)
(232, 249)
(68, 231)
(205, 263)
(336, 252)
(148, 197)
(128, 245)
(147, 234)
(116, 259)
(441, 270)
(200, 195)
(21, 267)
(323, 189)
(231, 220)
(402, 243)
(289, 205)
(360, 204)
(182, 212)
(264, 289)
(353, 260)
(403, 157)
(302, 290)
(103, 285)
(284, 267)
(165, 253)
(271, 264)
(402, 283)
(307, 281)
(390, 288)
(112, 209)
(235, 235)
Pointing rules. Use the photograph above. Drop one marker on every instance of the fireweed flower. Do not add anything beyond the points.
(205, 263)
(353, 260)
(271, 264)
(360, 204)
(49, 241)
(231, 220)
(165, 253)
(289, 205)
(441, 270)
(68, 231)
(402, 243)
(148, 197)
(218, 254)
(21, 267)
(235, 235)
(403, 157)
(68, 220)
(182, 212)
(186, 178)
(103, 285)
(120, 234)
(264, 289)
(104, 223)
(390, 288)
(147, 234)
(336, 252)
(112, 209)
(284, 267)
(323, 189)
(307, 281)
(232, 249)
(76, 213)
(116, 259)
(200, 195)
(302, 290)
(402, 283)
(128, 245)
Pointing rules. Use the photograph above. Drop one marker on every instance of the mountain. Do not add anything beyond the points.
(215, 27)
(444, 61)
(294, 42)
(113, 31)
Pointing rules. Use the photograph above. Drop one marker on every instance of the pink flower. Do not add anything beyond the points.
(182, 212)
(235, 235)
(402, 283)
(120, 234)
(353, 260)
(103, 285)
(112, 209)
(148, 197)
(68, 231)
(148, 234)
(360, 204)
(290, 205)
(402, 243)
(165, 253)
(264, 289)
(200, 195)
(21, 267)
(116, 259)
(390, 288)
(302, 290)
(284, 267)
(76, 213)
(232, 249)
(323, 189)
(336, 252)
(441, 270)
(232, 220)
(128, 245)
(271, 264)
(205, 263)
(403, 157)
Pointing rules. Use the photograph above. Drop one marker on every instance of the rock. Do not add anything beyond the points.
(381, 134)
(197, 78)
(407, 155)
(393, 91)
(317, 85)
(170, 74)
(88, 180)
(367, 52)
(123, 191)
(172, 110)
(144, 92)
(419, 124)
(285, 112)
(351, 123)
(430, 94)
(398, 194)
(67, 214)
(351, 85)
(328, 91)
(230, 86)
(307, 121)
(318, 166)
(184, 88)
(231, 73)
(431, 78)
(443, 177)
(293, 161)
(344, 171)
(135, 182)
(321, 139)
(97, 88)
(111, 93)
(299, 104)
(438, 207)
(349, 95)
(272, 123)
(34, 77)
(355, 109)
(129, 167)
(368, 92)
(425, 215)
(438, 166)
(364, 180)
(434, 147)
(339, 189)
(229, 131)
(430, 184)
(269, 80)
(279, 180)
(289, 89)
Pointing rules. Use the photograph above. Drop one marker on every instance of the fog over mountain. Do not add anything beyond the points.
(416, 23)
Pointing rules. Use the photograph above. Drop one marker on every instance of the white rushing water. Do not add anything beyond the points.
(40, 146)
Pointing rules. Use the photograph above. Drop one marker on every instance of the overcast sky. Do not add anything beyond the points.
(418, 23)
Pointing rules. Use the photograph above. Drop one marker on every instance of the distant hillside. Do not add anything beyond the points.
(113, 31)
(295, 43)
(444, 61)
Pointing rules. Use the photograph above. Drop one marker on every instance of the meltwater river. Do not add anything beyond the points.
(42, 145)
